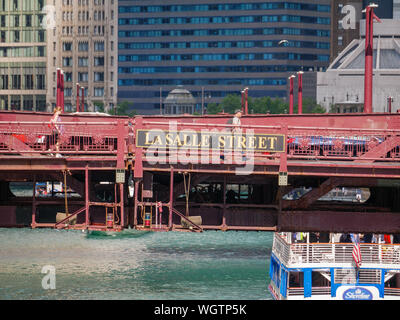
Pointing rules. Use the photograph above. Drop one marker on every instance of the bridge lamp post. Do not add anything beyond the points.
(300, 98)
(291, 98)
(369, 52)
(78, 89)
(83, 98)
(246, 103)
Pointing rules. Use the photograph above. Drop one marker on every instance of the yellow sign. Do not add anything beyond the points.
(210, 140)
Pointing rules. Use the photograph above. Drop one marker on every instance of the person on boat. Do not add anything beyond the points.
(314, 237)
(345, 238)
(367, 238)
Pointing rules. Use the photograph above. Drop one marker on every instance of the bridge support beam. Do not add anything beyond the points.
(171, 198)
(312, 196)
(340, 222)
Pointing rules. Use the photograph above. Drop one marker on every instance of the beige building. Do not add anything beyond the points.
(22, 55)
(84, 44)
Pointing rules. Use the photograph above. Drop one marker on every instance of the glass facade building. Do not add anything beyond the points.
(23, 55)
(217, 48)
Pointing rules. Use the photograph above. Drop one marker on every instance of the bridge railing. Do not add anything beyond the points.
(330, 254)
(102, 138)
(344, 144)
(72, 138)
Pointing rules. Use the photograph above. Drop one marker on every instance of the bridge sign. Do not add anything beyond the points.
(221, 140)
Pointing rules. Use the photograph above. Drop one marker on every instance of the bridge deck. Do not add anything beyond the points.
(359, 150)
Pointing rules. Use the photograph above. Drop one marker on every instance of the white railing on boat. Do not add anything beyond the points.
(330, 254)
(316, 291)
(392, 292)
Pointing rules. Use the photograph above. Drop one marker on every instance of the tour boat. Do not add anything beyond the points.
(303, 267)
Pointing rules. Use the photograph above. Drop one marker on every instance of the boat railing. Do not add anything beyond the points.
(334, 253)
(392, 292)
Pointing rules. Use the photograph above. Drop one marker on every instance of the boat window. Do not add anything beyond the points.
(296, 279)
(318, 280)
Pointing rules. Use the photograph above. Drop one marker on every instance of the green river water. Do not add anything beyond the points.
(135, 265)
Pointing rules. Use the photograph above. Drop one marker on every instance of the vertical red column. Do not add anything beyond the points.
(87, 199)
(78, 88)
(246, 102)
(171, 198)
(242, 100)
(122, 204)
(291, 98)
(83, 98)
(369, 57)
(62, 91)
(300, 97)
(58, 102)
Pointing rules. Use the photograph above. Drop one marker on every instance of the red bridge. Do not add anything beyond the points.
(118, 172)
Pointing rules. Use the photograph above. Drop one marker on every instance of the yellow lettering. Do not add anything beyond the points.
(158, 141)
(241, 143)
(252, 142)
(177, 141)
(261, 143)
(205, 141)
(147, 138)
(222, 142)
(168, 139)
(185, 142)
(195, 140)
(273, 141)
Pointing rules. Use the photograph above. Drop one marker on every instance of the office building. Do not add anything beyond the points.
(215, 48)
(84, 45)
(23, 55)
(345, 27)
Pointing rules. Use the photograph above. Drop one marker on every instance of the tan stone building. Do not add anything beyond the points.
(22, 55)
(84, 44)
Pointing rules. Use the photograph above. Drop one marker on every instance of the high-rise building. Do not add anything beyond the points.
(22, 55)
(214, 48)
(84, 45)
(343, 29)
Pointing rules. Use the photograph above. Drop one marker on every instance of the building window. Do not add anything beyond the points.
(67, 46)
(83, 62)
(98, 61)
(83, 46)
(83, 76)
(98, 92)
(99, 46)
(67, 62)
(98, 76)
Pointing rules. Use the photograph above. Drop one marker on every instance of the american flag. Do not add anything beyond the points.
(356, 249)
